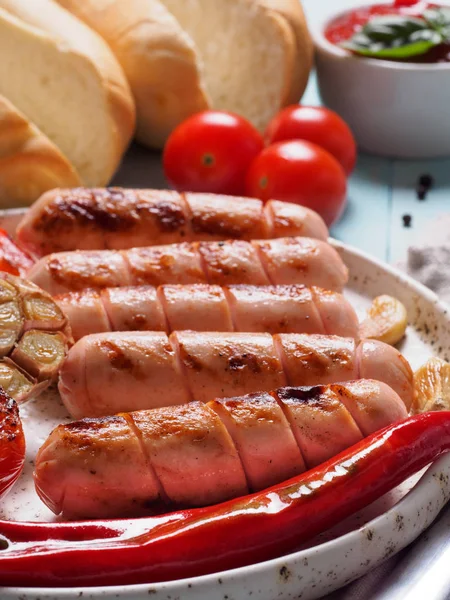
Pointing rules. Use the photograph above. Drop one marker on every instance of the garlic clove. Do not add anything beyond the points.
(432, 383)
(15, 382)
(42, 312)
(40, 353)
(386, 320)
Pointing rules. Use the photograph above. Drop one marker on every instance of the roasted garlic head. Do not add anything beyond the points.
(34, 338)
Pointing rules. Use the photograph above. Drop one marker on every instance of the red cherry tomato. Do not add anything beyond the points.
(12, 259)
(318, 125)
(211, 152)
(12, 443)
(302, 173)
(400, 3)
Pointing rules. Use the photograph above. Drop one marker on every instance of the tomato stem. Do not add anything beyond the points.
(208, 160)
(263, 182)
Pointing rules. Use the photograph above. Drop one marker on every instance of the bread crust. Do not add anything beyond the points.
(30, 164)
(162, 65)
(75, 38)
(158, 58)
(292, 12)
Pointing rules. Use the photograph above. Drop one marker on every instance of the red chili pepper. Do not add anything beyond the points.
(232, 534)
(12, 259)
(12, 443)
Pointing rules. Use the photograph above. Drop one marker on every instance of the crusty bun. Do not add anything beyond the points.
(256, 53)
(292, 11)
(66, 80)
(251, 57)
(157, 56)
(30, 164)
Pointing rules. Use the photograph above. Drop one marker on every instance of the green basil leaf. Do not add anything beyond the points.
(426, 35)
(394, 25)
(439, 20)
(398, 37)
(437, 17)
(400, 52)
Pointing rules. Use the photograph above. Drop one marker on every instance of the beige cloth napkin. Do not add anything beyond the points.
(428, 260)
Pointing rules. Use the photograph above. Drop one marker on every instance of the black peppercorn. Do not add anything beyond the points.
(424, 184)
(407, 220)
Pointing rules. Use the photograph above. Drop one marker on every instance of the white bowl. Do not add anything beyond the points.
(395, 109)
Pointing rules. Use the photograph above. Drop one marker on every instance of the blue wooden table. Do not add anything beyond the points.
(381, 191)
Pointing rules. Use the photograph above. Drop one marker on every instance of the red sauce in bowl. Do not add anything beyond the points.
(344, 27)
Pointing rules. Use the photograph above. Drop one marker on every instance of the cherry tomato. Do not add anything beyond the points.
(318, 125)
(400, 3)
(302, 173)
(211, 152)
(12, 259)
(12, 443)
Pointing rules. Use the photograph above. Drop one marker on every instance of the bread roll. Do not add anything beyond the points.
(292, 11)
(65, 79)
(30, 164)
(251, 57)
(157, 56)
(256, 53)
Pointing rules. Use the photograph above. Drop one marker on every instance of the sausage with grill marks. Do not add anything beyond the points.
(107, 373)
(117, 218)
(280, 261)
(199, 454)
(202, 307)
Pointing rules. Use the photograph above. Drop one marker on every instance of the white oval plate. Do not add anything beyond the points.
(332, 560)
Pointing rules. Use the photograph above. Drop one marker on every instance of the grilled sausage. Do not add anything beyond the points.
(202, 307)
(34, 337)
(115, 218)
(261, 262)
(199, 454)
(107, 373)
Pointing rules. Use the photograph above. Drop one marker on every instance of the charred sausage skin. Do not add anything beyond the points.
(198, 454)
(107, 373)
(202, 307)
(117, 218)
(279, 261)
